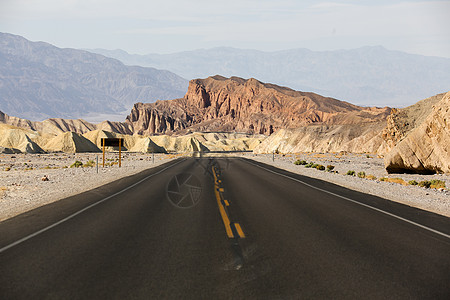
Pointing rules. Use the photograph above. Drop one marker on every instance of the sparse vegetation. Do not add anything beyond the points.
(371, 177)
(425, 183)
(309, 165)
(314, 166)
(398, 180)
(361, 174)
(330, 168)
(350, 173)
(300, 162)
(413, 182)
(394, 180)
(437, 184)
(320, 168)
(7, 169)
(76, 164)
(89, 164)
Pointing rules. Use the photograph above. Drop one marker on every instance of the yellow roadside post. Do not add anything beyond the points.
(114, 142)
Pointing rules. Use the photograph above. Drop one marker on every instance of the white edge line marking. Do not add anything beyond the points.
(354, 201)
(82, 210)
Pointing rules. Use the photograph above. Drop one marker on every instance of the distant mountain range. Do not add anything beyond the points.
(364, 76)
(39, 81)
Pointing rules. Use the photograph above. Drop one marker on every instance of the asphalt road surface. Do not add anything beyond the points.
(216, 228)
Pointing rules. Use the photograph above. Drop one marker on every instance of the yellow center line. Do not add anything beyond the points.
(223, 213)
(239, 230)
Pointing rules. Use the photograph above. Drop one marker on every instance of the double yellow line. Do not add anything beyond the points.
(229, 226)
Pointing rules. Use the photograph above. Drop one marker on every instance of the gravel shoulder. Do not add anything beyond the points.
(433, 200)
(23, 186)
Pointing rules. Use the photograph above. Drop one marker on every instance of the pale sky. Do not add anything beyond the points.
(166, 26)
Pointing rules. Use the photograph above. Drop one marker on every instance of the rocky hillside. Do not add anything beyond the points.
(39, 81)
(402, 121)
(425, 148)
(415, 139)
(20, 140)
(360, 138)
(235, 104)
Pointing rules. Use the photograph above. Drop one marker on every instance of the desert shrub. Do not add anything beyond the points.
(437, 184)
(76, 164)
(413, 182)
(309, 165)
(320, 168)
(368, 156)
(361, 174)
(397, 180)
(425, 184)
(330, 168)
(90, 163)
(350, 173)
(393, 180)
(7, 169)
(371, 177)
(300, 162)
(314, 166)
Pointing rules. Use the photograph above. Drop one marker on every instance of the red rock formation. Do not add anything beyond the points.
(236, 104)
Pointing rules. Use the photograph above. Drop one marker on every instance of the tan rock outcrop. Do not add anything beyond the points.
(70, 142)
(116, 127)
(426, 148)
(18, 139)
(325, 138)
(146, 145)
(402, 121)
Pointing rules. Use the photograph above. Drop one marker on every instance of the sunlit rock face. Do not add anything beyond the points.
(238, 105)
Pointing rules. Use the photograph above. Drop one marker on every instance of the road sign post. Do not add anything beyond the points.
(113, 142)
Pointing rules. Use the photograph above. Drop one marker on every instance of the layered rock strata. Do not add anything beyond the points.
(239, 105)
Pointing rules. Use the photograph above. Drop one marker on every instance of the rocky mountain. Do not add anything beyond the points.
(38, 81)
(425, 147)
(365, 76)
(235, 104)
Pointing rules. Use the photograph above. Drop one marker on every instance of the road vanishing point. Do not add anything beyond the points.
(224, 228)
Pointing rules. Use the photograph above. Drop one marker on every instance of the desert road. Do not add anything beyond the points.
(224, 228)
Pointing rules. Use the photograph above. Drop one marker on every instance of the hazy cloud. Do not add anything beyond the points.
(163, 25)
